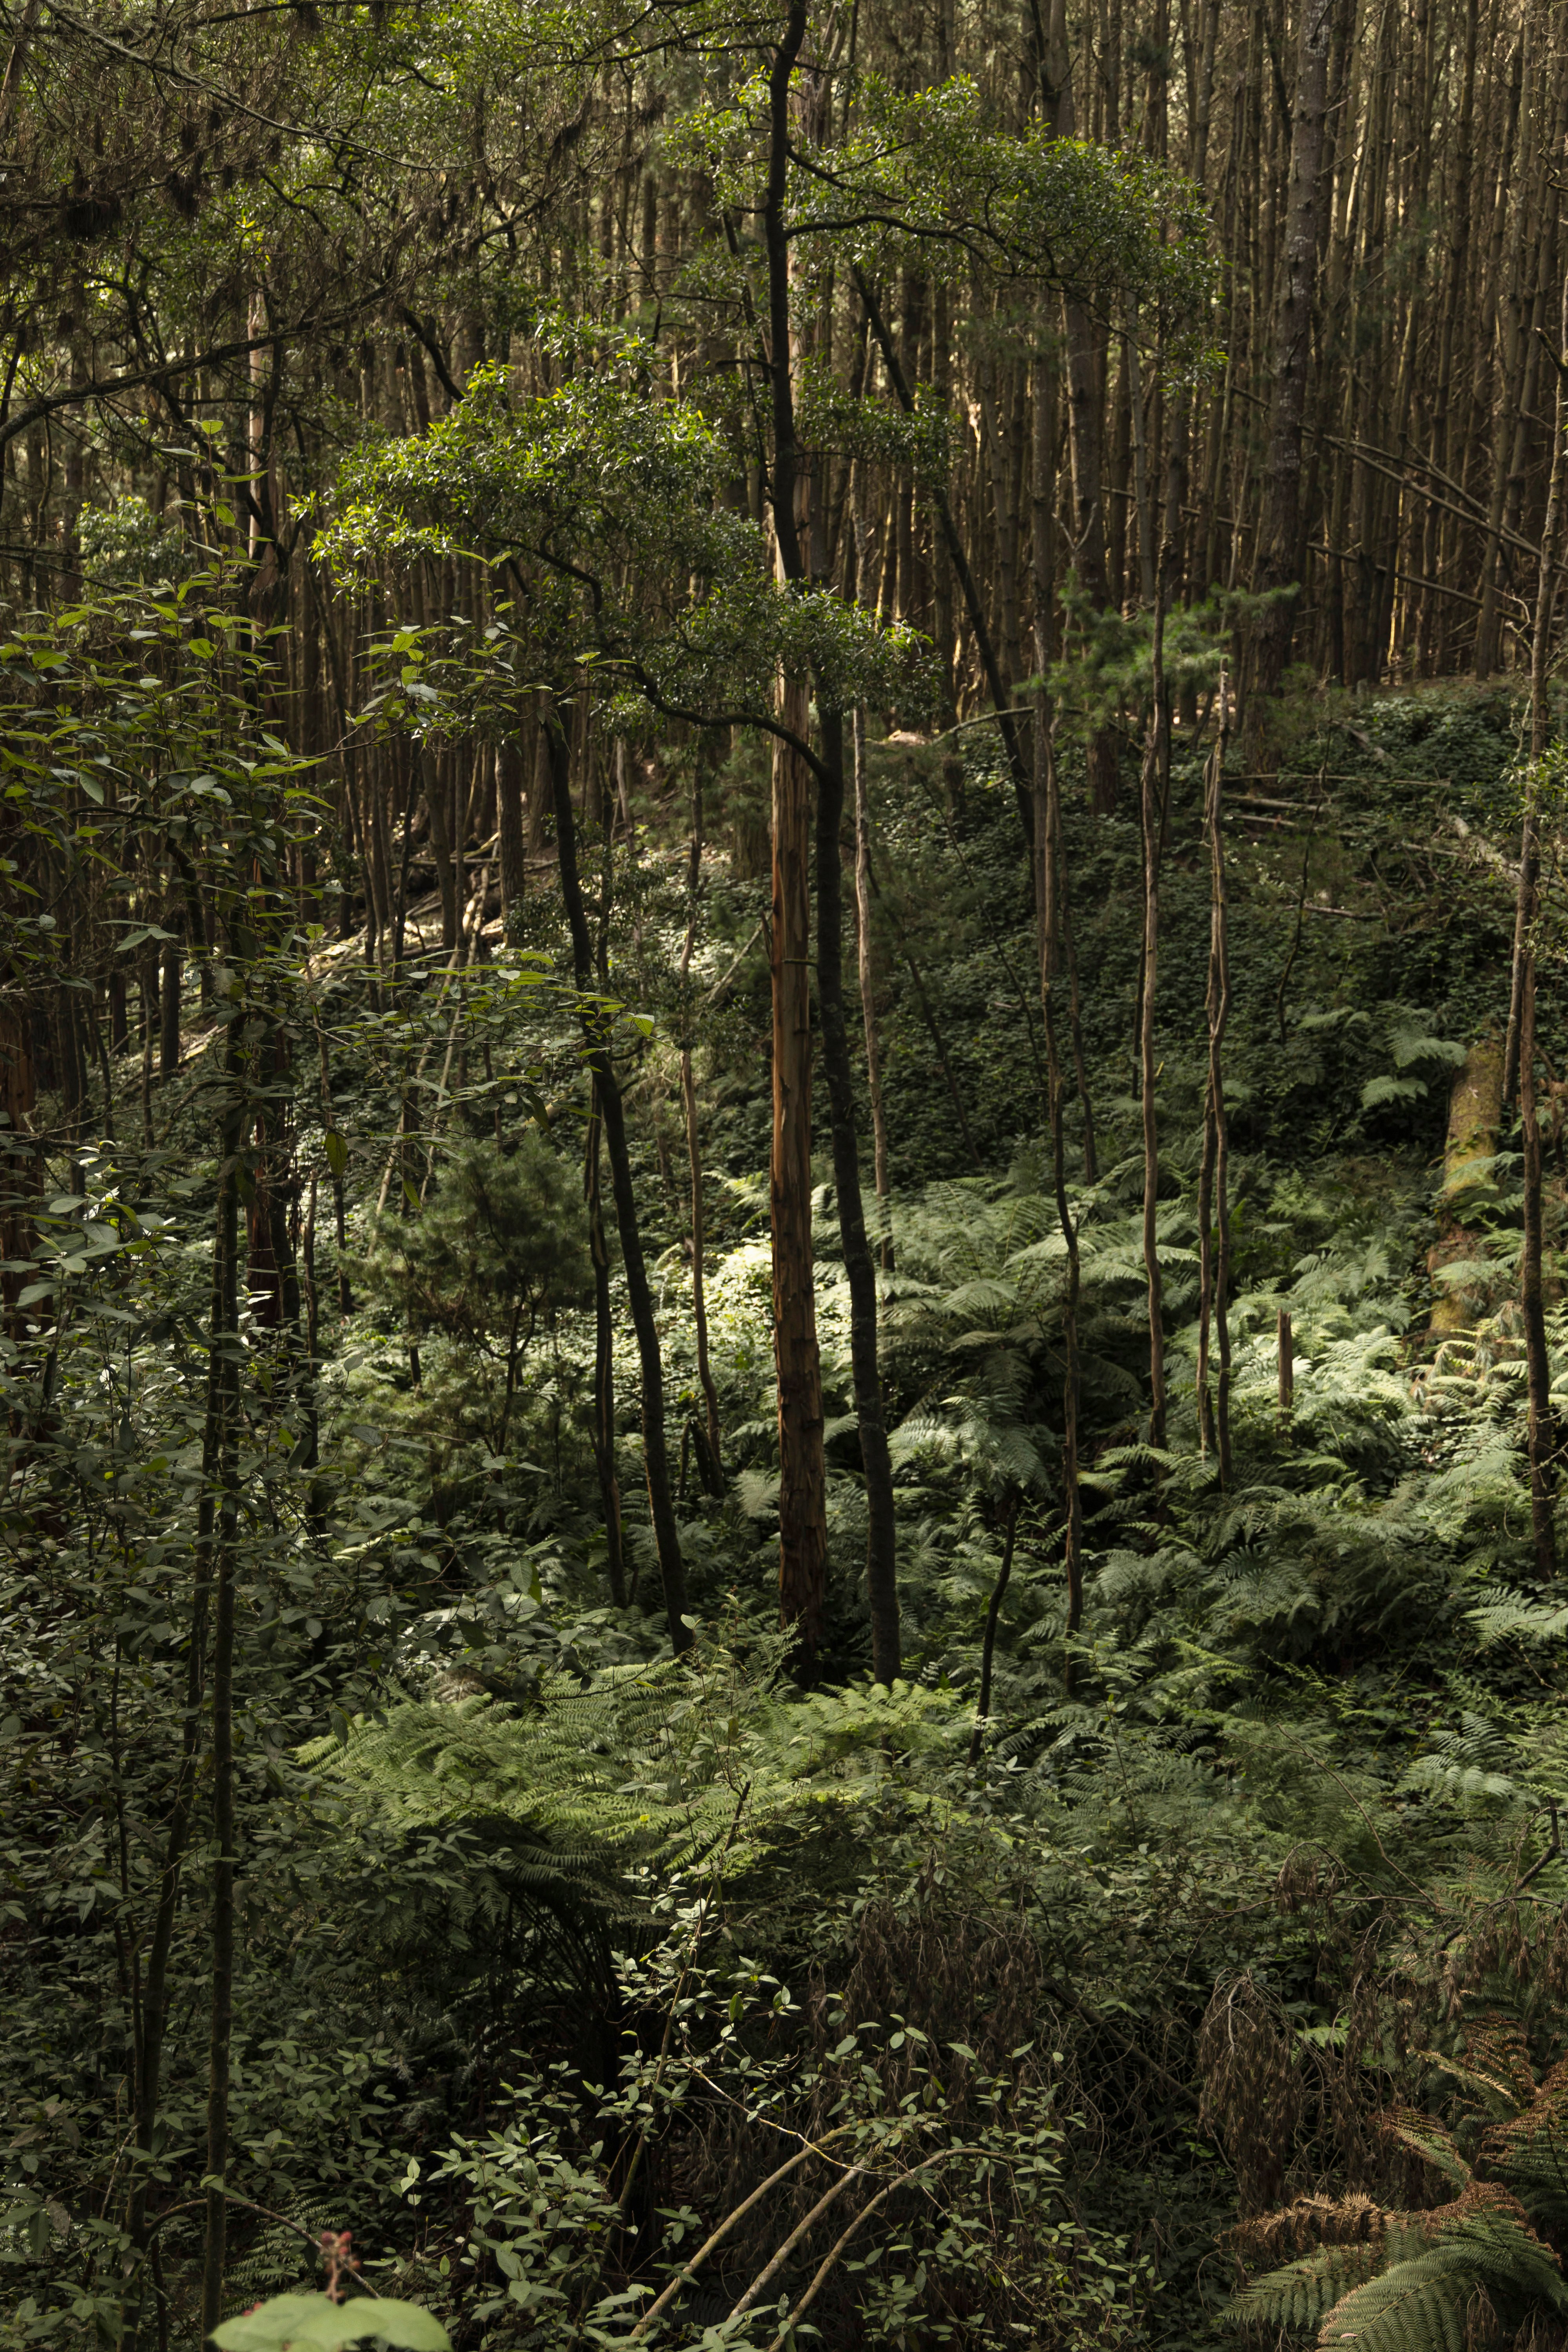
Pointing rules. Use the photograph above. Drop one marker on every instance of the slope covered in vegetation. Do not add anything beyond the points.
(547, 1951)
(782, 1176)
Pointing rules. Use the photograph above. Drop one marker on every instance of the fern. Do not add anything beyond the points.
(1421, 2303)
(280, 2256)
(1530, 2151)
(1471, 1763)
(1517, 1619)
(1298, 2295)
(636, 1768)
(1409, 2288)
(1412, 2282)
(1432, 2141)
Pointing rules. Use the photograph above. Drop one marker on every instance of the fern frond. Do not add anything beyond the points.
(1419, 2304)
(1528, 2152)
(1516, 1619)
(1498, 2060)
(1431, 2140)
(1298, 2295)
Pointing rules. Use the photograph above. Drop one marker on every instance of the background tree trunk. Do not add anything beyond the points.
(803, 1509)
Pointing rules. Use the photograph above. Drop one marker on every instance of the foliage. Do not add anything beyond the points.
(316, 2322)
(498, 1250)
(1421, 2273)
(607, 510)
(393, 455)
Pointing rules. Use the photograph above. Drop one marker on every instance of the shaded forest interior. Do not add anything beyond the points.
(784, 1162)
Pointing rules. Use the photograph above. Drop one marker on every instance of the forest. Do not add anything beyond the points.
(784, 1175)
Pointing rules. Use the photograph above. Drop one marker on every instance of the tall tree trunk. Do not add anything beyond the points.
(985, 646)
(434, 766)
(1513, 299)
(802, 1474)
(1542, 1435)
(1155, 755)
(1282, 549)
(604, 1362)
(694, 1144)
(221, 1373)
(1086, 436)
(169, 1009)
(803, 1503)
(512, 825)
(881, 1535)
(217, 1542)
(699, 1268)
(221, 1933)
(865, 975)
(1053, 919)
(1213, 1180)
(639, 1295)
(1072, 1497)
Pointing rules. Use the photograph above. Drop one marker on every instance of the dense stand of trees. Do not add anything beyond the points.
(242, 240)
(441, 451)
(238, 245)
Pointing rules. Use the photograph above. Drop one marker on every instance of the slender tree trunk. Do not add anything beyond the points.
(222, 1511)
(639, 1296)
(604, 1362)
(1539, 713)
(803, 1512)
(147, 971)
(214, 2237)
(1214, 1205)
(881, 1538)
(993, 1619)
(1513, 300)
(222, 1375)
(1542, 1435)
(1050, 903)
(1053, 916)
(865, 975)
(985, 646)
(433, 766)
(512, 825)
(1072, 1495)
(1155, 755)
(169, 1010)
(1271, 647)
(698, 1269)
(694, 1149)
(803, 1474)
(1543, 1438)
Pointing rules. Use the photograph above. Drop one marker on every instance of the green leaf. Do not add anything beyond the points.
(314, 2323)
(337, 1151)
(1378, 1091)
(410, 2326)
